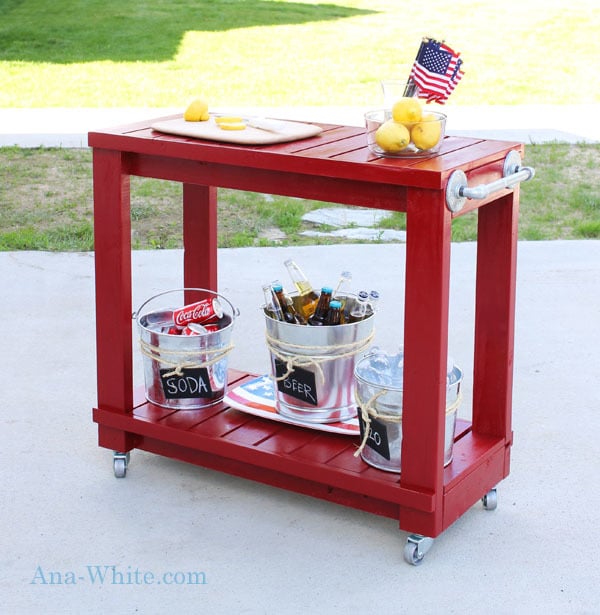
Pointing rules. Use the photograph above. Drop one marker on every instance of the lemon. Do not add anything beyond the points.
(426, 134)
(407, 110)
(392, 137)
(197, 111)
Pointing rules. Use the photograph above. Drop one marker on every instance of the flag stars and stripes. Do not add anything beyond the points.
(436, 61)
(436, 71)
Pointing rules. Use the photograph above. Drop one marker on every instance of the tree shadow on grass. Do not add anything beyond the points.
(67, 31)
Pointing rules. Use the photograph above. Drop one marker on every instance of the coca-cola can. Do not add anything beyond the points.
(207, 310)
(195, 328)
(171, 330)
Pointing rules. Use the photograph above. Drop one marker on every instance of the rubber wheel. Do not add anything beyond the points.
(411, 554)
(490, 500)
(120, 467)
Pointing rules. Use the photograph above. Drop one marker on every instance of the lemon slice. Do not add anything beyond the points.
(228, 119)
(231, 125)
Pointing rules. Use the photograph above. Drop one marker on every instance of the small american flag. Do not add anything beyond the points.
(436, 71)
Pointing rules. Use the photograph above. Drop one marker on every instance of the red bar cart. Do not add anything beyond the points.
(335, 166)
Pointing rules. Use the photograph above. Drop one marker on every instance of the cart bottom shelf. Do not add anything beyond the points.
(306, 461)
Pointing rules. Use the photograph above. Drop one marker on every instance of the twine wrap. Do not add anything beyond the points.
(368, 410)
(292, 360)
(161, 355)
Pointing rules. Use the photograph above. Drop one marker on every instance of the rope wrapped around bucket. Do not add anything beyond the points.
(158, 354)
(368, 410)
(291, 360)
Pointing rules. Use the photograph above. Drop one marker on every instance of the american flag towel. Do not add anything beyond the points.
(257, 397)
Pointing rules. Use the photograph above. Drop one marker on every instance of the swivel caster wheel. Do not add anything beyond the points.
(415, 549)
(120, 463)
(490, 500)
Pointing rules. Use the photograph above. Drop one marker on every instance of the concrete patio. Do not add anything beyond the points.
(263, 550)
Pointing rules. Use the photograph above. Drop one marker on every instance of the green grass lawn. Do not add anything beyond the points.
(146, 53)
(46, 204)
(161, 53)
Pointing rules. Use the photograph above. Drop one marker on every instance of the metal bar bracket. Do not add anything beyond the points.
(458, 191)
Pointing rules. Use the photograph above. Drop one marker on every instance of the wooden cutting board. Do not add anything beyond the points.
(279, 131)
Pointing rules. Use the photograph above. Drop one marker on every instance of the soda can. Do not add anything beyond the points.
(195, 328)
(207, 310)
(171, 330)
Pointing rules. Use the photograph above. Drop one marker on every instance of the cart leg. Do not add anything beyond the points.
(120, 463)
(416, 547)
(490, 499)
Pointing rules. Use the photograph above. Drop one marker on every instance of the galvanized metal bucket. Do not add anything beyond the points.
(184, 372)
(313, 368)
(379, 378)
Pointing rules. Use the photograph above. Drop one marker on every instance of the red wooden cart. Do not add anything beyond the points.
(336, 167)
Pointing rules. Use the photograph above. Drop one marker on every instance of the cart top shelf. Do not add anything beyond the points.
(338, 152)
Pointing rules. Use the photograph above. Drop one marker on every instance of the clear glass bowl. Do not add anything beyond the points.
(374, 119)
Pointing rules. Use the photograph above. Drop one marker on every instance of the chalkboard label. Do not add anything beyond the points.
(300, 383)
(193, 383)
(378, 438)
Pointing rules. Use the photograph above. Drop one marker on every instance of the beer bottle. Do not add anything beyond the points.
(300, 320)
(287, 307)
(334, 315)
(373, 301)
(345, 277)
(272, 307)
(318, 317)
(307, 297)
(359, 310)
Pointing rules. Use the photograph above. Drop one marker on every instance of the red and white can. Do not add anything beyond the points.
(207, 310)
(195, 328)
(171, 330)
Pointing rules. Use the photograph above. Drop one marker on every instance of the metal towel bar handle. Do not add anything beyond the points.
(457, 190)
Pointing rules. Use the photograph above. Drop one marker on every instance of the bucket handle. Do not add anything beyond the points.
(136, 314)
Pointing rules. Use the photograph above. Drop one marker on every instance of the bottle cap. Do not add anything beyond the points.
(335, 304)
(327, 289)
